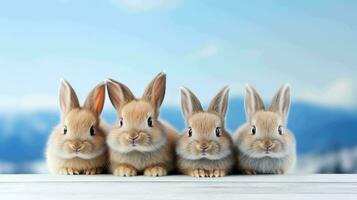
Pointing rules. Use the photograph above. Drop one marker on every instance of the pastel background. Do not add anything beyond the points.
(202, 44)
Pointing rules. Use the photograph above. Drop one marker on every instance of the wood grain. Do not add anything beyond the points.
(37, 187)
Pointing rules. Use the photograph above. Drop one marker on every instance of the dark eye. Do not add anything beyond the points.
(150, 122)
(280, 130)
(121, 122)
(64, 130)
(189, 132)
(218, 131)
(92, 131)
(254, 130)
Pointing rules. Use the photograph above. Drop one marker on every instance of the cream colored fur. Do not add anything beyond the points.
(135, 147)
(77, 151)
(202, 153)
(267, 151)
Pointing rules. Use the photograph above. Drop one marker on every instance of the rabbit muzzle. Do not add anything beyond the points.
(77, 146)
(204, 147)
(267, 146)
(133, 137)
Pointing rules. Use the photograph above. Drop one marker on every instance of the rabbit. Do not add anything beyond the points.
(264, 145)
(205, 149)
(78, 144)
(140, 142)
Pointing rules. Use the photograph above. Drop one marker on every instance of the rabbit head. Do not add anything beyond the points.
(79, 133)
(267, 135)
(138, 127)
(205, 135)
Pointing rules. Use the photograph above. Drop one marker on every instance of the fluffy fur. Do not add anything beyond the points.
(76, 150)
(270, 147)
(202, 152)
(140, 142)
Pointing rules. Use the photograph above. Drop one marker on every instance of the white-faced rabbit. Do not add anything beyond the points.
(77, 145)
(205, 149)
(264, 144)
(140, 142)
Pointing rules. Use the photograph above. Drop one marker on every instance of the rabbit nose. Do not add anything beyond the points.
(268, 144)
(203, 146)
(76, 146)
(133, 135)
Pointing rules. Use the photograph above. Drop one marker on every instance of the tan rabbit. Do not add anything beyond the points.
(264, 144)
(140, 142)
(77, 145)
(205, 149)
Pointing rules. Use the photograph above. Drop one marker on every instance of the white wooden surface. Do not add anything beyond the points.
(38, 187)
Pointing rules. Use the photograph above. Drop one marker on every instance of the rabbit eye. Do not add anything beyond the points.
(121, 122)
(189, 132)
(92, 131)
(150, 122)
(254, 129)
(280, 130)
(64, 130)
(218, 131)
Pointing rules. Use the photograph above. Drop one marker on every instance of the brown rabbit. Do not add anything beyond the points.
(140, 142)
(77, 144)
(264, 144)
(205, 149)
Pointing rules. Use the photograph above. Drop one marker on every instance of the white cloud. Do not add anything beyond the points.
(207, 51)
(341, 93)
(137, 6)
(30, 102)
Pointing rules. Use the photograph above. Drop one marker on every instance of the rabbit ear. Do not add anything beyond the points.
(155, 91)
(189, 103)
(219, 103)
(281, 101)
(119, 94)
(67, 97)
(253, 102)
(95, 99)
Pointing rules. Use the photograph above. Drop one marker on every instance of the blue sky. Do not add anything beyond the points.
(203, 45)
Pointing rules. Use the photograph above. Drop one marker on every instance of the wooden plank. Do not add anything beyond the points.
(14, 187)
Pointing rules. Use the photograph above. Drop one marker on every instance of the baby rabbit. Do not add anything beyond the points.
(265, 145)
(140, 142)
(205, 149)
(77, 144)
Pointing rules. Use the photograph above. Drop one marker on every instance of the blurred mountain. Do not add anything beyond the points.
(340, 161)
(318, 130)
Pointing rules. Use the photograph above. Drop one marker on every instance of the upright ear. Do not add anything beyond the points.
(281, 102)
(67, 97)
(253, 102)
(189, 103)
(119, 94)
(95, 99)
(219, 103)
(155, 91)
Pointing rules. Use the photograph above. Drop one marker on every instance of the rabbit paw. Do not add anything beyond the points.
(200, 173)
(93, 171)
(68, 171)
(156, 170)
(249, 171)
(125, 170)
(217, 173)
(279, 171)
